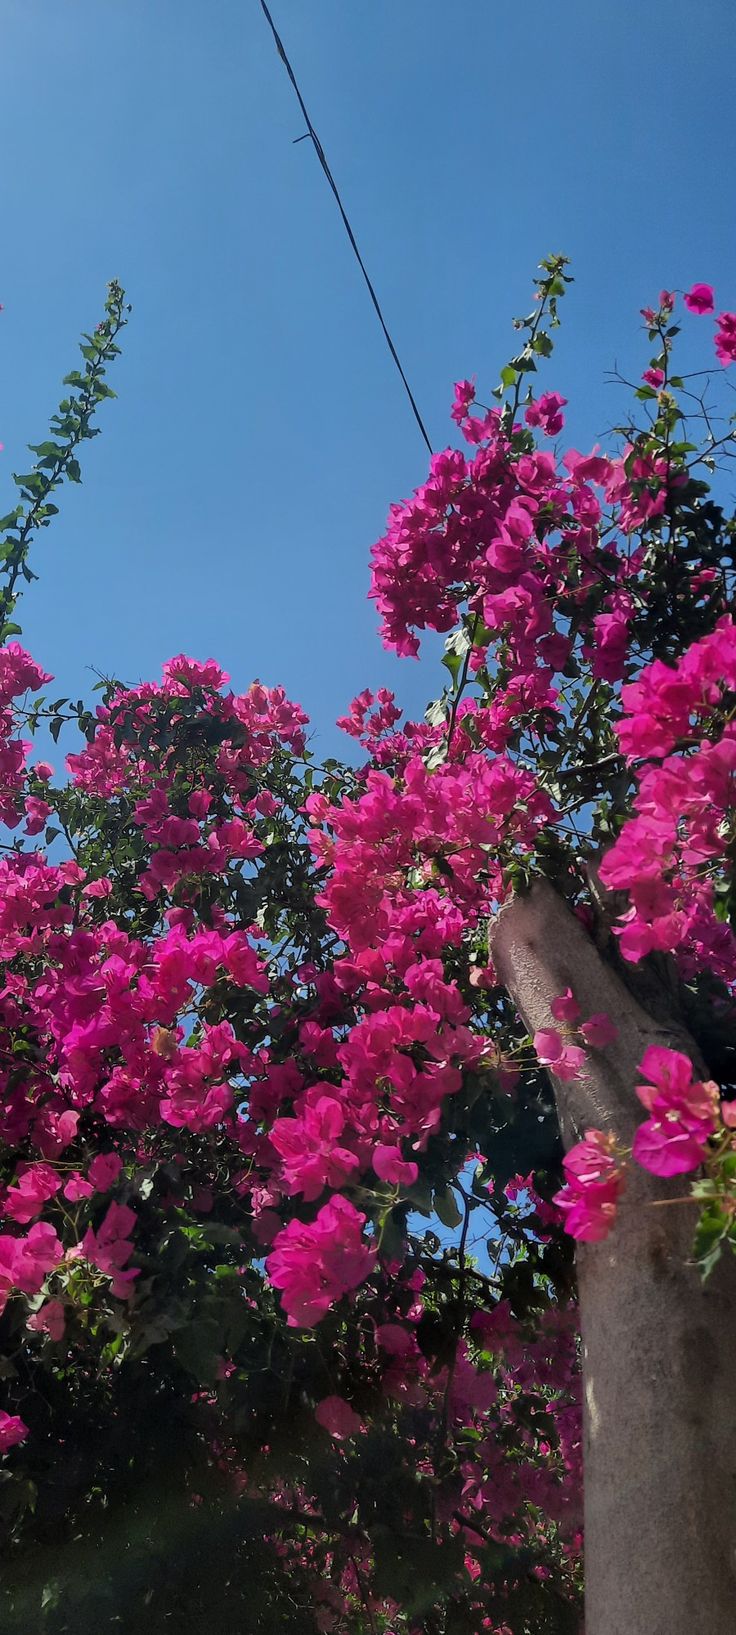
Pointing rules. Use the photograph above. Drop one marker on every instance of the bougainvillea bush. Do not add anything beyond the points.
(289, 1333)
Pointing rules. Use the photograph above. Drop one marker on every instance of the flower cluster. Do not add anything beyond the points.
(685, 1118)
(670, 857)
(250, 1032)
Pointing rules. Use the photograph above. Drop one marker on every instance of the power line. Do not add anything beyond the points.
(320, 152)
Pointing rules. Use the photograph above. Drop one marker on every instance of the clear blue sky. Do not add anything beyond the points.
(261, 432)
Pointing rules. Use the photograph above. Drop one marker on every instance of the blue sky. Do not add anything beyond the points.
(261, 431)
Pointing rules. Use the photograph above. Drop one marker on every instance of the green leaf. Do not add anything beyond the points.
(50, 1595)
(436, 712)
(453, 663)
(33, 481)
(414, 1571)
(46, 451)
(710, 1233)
(223, 1234)
(524, 363)
(198, 1348)
(446, 1208)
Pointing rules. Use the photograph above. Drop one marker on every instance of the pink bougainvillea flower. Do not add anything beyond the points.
(37, 814)
(76, 1187)
(667, 1147)
(26, 1261)
(685, 1114)
(654, 377)
(315, 1263)
(26, 1199)
(335, 1415)
(310, 1149)
(192, 673)
(98, 888)
(669, 1071)
(49, 1319)
(12, 1431)
(391, 1167)
(565, 1007)
(594, 1182)
(599, 1030)
(104, 1170)
(699, 298)
(464, 397)
(546, 413)
(726, 337)
(589, 1215)
(394, 1339)
(109, 1248)
(564, 1059)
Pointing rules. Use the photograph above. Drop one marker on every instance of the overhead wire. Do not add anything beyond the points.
(322, 157)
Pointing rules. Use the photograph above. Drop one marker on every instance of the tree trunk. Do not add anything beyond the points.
(659, 1347)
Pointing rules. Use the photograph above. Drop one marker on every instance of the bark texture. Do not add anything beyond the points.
(659, 1347)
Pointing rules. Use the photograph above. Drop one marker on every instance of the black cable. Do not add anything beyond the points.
(320, 152)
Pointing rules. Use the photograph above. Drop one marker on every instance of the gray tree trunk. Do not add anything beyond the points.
(659, 1347)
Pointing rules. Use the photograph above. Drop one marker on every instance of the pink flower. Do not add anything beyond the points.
(564, 1059)
(37, 814)
(666, 301)
(599, 1030)
(464, 396)
(594, 1182)
(104, 1170)
(18, 672)
(109, 1248)
(76, 1188)
(38, 1183)
(546, 412)
(192, 673)
(666, 1147)
(611, 638)
(654, 377)
(335, 1415)
(391, 1167)
(394, 1339)
(199, 803)
(684, 1110)
(49, 1319)
(12, 1431)
(726, 337)
(310, 1150)
(565, 1007)
(670, 1071)
(58, 1131)
(315, 1263)
(98, 888)
(699, 298)
(26, 1261)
